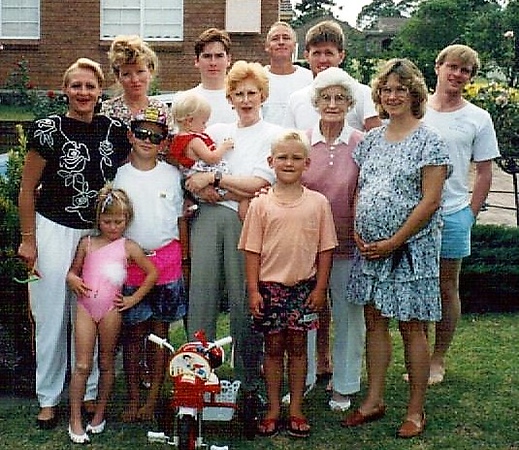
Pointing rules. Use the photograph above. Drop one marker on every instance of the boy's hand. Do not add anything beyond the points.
(256, 305)
(317, 299)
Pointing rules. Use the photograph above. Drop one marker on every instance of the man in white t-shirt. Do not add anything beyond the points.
(324, 48)
(469, 133)
(213, 58)
(284, 76)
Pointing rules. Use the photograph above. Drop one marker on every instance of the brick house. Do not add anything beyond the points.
(51, 34)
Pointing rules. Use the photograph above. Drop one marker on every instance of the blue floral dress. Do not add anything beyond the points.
(405, 285)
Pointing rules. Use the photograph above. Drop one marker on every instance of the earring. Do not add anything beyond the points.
(97, 107)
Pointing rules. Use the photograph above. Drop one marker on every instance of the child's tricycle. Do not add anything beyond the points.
(197, 393)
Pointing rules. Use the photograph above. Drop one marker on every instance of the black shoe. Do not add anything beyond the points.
(252, 402)
(48, 424)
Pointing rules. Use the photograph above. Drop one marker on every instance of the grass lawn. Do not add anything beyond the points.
(475, 408)
(8, 112)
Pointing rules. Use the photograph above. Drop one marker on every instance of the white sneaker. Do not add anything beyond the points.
(78, 438)
(286, 398)
(96, 429)
(340, 405)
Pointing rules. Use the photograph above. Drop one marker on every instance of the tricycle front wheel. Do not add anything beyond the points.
(187, 430)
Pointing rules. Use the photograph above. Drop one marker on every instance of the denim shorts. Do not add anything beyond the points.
(164, 303)
(456, 234)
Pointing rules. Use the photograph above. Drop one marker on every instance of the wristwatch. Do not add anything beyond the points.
(217, 178)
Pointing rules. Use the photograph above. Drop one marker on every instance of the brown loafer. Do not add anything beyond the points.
(356, 418)
(410, 428)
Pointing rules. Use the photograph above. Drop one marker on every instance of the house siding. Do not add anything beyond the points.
(70, 30)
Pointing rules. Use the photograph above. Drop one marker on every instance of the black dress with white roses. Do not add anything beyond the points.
(80, 158)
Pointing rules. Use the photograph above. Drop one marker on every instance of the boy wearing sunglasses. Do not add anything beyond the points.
(154, 188)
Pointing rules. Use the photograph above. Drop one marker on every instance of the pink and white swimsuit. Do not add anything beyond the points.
(104, 272)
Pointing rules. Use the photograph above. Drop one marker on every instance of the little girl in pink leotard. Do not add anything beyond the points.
(96, 277)
(104, 272)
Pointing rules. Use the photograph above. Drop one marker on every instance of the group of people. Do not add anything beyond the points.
(320, 201)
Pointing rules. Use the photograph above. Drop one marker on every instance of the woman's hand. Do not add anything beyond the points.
(28, 252)
(374, 250)
(198, 181)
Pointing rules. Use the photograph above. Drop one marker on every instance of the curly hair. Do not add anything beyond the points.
(243, 70)
(410, 76)
(131, 50)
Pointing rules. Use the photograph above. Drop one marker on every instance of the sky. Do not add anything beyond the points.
(350, 9)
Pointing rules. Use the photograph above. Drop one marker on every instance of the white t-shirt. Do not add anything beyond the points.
(221, 110)
(250, 152)
(157, 200)
(470, 136)
(301, 114)
(280, 88)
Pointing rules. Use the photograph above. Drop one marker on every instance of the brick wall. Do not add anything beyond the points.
(70, 30)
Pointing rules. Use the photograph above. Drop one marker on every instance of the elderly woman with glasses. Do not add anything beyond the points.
(334, 173)
(403, 166)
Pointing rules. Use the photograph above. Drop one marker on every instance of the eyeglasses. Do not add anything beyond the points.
(143, 134)
(245, 95)
(338, 99)
(32, 276)
(400, 91)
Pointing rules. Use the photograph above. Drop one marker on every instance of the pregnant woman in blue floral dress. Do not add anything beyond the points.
(403, 166)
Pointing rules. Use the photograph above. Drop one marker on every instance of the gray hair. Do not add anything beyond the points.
(333, 76)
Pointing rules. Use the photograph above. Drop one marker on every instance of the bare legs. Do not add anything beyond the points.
(85, 338)
(294, 344)
(132, 351)
(451, 311)
(378, 357)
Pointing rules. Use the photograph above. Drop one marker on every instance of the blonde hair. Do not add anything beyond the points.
(241, 71)
(84, 63)
(464, 53)
(113, 201)
(131, 50)
(298, 137)
(410, 76)
(189, 105)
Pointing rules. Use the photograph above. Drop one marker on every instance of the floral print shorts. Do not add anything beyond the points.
(284, 307)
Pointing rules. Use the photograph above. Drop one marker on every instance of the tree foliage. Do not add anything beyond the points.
(307, 10)
(370, 13)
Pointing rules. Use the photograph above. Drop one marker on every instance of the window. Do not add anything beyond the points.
(159, 20)
(20, 19)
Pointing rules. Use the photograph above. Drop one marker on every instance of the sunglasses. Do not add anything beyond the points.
(143, 134)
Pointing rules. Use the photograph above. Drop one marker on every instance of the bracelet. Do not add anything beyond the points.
(27, 233)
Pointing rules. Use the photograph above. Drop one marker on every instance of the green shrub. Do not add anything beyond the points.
(489, 280)
(9, 223)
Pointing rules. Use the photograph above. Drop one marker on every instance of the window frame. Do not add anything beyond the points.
(36, 6)
(143, 11)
